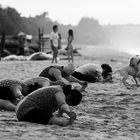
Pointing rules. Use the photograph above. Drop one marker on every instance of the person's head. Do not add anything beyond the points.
(70, 32)
(66, 89)
(107, 72)
(55, 28)
(73, 96)
(69, 69)
(106, 68)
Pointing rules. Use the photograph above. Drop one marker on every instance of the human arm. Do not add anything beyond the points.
(70, 39)
(63, 106)
(59, 82)
(16, 91)
(108, 79)
(82, 83)
(58, 76)
(51, 41)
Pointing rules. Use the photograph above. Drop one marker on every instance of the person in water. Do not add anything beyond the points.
(40, 105)
(63, 73)
(12, 91)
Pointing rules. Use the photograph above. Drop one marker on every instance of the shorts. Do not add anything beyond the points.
(55, 50)
(84, 77)
(28, 111)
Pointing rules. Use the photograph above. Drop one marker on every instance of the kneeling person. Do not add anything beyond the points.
(39, 106)
(12, 91)
(106, 73)
(87, 72)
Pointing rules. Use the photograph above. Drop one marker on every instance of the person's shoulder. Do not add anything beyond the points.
(54, 70)
(59, 94)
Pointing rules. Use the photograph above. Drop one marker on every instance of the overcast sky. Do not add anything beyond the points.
(71, 11)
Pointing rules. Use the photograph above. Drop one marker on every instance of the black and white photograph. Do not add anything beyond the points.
(70, 70)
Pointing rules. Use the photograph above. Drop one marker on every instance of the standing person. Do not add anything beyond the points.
(69, 47)
(59, 41)
(54, 43)
(39, 106)
(21, 40)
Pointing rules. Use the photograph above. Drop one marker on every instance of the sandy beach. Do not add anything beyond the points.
(107, 112)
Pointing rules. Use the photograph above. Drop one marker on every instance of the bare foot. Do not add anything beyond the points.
(84, 85)
(72, 116)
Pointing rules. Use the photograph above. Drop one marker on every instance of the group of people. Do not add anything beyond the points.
(49, 92)
(55, 39)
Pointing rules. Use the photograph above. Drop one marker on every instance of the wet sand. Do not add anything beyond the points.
(107, 112)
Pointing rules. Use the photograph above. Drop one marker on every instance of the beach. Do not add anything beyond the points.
(107, 112)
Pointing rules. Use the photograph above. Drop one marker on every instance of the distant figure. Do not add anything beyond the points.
(12, 91)
(21, 39)
(54, 43)
(106, 73)
(39, 106)
(63, 73)
(87, 72)
(69, 47)
(59, 41)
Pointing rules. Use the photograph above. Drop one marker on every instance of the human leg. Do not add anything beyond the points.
(61, 121)
(56, 55)
(83, 77)
(53, 56)
(72, 58)
(36, 116)
(6, 105)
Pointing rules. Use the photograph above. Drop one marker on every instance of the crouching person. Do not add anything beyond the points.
(39, 106)
(12, 91)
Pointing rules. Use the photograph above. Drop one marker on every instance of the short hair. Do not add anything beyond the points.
(70, 32)
(106, 67)
(75, 97)
(54, 27)
(66, 89)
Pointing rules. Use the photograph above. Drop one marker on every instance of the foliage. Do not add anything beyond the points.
(88, 30)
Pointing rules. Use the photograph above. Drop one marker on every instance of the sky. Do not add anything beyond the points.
(71, 11)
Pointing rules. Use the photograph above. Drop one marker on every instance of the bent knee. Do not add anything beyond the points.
(5, 104)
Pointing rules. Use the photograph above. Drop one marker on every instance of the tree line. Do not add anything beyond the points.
(88, 30)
